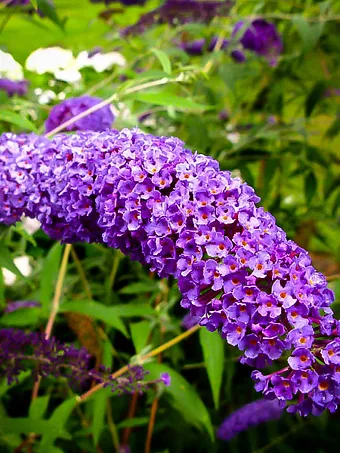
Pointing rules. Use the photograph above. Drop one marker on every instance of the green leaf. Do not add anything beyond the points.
(7, 262)
(15, 118)
(315, 95)
(48, 9)
(132, 422)
(2, 290)
(4, 387)
(310, 33)
(20, 425)
(270, 168)
(213, 353)
(21, 318)
(163, 59)
(130, 310)
(169, 100)
(140, 287)
(99, 407)
(49, 275)
(38, 407)
(333, 130)
(19, 228)
(336, 204)
(310, 187)
(99, 403)
(140, 332)
(183, 397)
(35, 4)
(57, 420)
(95, 310)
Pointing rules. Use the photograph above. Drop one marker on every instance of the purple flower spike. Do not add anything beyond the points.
(18, 350)
(178, 213)
(175, 12)
(18, 305)
(250, 415)
(16, 2)
(97, 121)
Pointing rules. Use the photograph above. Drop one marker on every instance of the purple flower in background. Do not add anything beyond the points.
(19, 304)
(260, 37)
(13, 87)
(190, 320)
(15, 2)
(195, 47)
(50, 357)
(123, 448)
(252, 414)
(198, 46)
(178, 213)
(97, 121)
(123, 2)
(174, 12)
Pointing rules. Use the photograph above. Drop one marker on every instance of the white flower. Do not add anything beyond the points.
(9, 68)
(70, 74)
(23, 264)
(234, 137)
(49, 59)
(100, 62)
(55, 60)
(45, 97)
(30, 225)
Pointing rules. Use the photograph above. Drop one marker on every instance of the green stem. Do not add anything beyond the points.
(141, 360)
(115, 98)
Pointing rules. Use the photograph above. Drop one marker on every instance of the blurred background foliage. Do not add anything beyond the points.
(275, 125)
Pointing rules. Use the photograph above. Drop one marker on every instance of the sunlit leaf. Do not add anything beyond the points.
(169, 100)
(163, 59)
(18, 120)
(58, 420)
(38, 407)
(213, 354)
(140, 332)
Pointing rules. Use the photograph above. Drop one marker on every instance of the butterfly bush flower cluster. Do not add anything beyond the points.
(178, 213)
(49, 357)
(15, 2)
(97, 121)
(199, 46)
(259, 36)
(123, 2)
(174, 12)
(252, 414)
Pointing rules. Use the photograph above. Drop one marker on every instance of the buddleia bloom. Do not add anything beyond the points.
(260, 37)
(20, 351)
(178, 213)
(248, 416)
(99, 120)
(174, 12)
